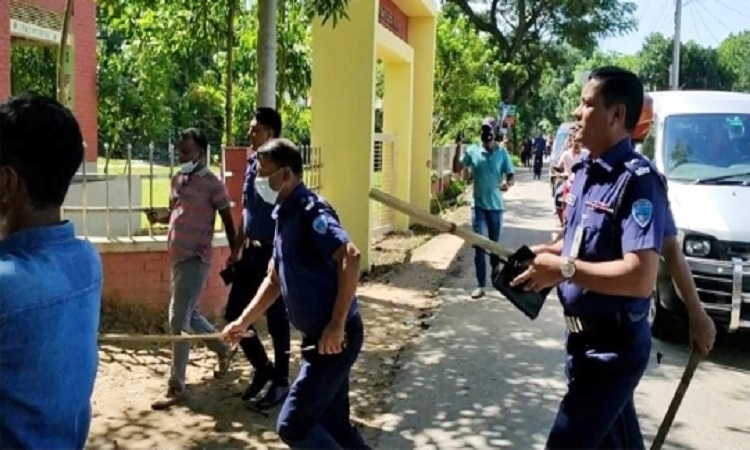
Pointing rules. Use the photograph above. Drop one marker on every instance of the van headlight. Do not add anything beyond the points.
(696, 244)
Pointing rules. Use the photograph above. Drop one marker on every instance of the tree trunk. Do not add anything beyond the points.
(228, 103)
(266, 53)
(61, 82)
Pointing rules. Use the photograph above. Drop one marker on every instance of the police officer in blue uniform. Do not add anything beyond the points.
(605, 268)
(315, 267)
(253, 252)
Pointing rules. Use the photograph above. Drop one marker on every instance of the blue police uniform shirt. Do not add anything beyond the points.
(640, 223)
(256, 213)
(489, 169)
(308, 233)
(50, 297)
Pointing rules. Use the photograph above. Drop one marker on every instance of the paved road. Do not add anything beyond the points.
(483, 376)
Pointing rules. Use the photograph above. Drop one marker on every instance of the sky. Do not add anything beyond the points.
(707, 22)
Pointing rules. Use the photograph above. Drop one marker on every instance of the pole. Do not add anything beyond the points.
(676, 46)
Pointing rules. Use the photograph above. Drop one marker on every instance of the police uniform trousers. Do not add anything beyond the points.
(316, 413)
(250, 271)
(603, 370)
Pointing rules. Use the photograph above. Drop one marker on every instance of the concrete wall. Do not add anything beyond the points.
(96, 192)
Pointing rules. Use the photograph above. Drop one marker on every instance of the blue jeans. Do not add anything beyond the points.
(487, 222)
(316, 413)
(598, 409)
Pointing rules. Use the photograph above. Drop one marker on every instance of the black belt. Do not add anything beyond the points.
(601, 324)
(257, 243)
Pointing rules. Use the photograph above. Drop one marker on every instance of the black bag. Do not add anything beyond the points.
(528, 302)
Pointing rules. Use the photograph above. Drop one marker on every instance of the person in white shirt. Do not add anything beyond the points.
(569, 158)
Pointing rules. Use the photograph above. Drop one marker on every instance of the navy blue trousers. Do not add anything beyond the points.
(598, 409)
(316, 414)
(251, 270)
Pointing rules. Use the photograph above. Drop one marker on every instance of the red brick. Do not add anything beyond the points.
(83, 27)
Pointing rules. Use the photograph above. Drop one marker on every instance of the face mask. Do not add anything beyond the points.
(188, 167)
(264, 189)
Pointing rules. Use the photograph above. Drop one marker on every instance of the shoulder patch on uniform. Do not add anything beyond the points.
(320, 224)
(642, 211)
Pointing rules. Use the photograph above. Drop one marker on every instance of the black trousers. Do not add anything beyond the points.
(250, 272)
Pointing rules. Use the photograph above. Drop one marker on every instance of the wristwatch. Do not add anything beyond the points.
(568, 268)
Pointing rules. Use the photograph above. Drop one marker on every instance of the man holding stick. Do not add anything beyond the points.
(606, 267)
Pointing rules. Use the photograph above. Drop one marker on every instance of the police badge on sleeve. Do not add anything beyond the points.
(642, 211)
(320, 224)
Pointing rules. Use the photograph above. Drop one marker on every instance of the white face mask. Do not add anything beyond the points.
(188, 167)
(264, 189)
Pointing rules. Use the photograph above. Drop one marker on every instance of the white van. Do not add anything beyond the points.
(700, 140)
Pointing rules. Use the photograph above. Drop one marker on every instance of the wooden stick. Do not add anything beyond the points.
(438, 223)
(164, 337)
(674, 405)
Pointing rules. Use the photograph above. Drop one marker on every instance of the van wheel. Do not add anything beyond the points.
(661, 322)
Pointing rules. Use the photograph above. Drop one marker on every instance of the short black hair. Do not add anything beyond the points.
(621, 86)
(42, 141)
(197, 136)
(283, 153)
(269, 118)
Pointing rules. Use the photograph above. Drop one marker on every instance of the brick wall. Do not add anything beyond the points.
(83, 27)
(86, 94)
(143, 278)
(4, 48)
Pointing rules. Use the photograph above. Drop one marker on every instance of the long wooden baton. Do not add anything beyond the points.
(674, 405)
(439, 224)
(164, 337)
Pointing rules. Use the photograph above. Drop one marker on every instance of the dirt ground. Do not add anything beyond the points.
(395, 300)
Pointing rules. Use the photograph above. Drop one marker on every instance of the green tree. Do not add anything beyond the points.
(734, 54)
(530, 35)
(465, 86)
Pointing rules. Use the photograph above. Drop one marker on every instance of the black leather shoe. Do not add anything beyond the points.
(260, 379)
(275, 395)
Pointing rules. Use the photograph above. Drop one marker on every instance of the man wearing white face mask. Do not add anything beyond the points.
(197, 194)
(253, 251)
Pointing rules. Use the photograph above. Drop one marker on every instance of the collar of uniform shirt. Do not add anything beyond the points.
(618, 153)
(283, 208)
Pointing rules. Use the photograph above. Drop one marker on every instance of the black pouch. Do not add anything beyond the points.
(227, 274)
(528, 302)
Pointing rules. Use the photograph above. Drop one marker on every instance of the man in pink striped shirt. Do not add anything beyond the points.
(197, 194)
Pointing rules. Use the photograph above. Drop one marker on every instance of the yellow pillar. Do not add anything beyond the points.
(343, 119)
(422, 40)
(397, 120)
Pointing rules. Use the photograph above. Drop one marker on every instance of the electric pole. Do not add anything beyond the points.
(676, 45)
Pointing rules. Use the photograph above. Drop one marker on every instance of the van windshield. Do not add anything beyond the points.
(698, 146)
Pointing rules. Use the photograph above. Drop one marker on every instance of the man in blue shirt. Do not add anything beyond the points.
(493, 172)
(255, 246)
(606, 267)
(50, 282)
(315, 267)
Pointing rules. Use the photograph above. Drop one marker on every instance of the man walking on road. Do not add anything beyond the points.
(493, 172)
(253, 252)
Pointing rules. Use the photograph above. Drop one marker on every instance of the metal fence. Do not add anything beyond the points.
(442, 159)
(109, 198)
(384, 179)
